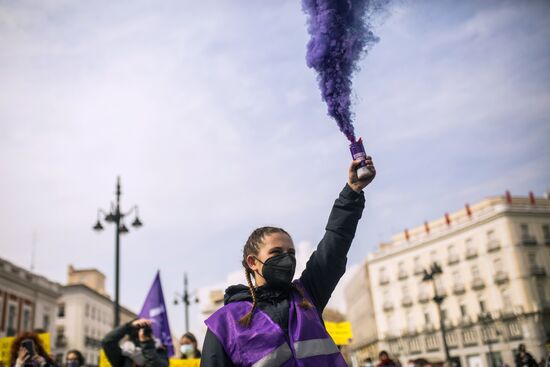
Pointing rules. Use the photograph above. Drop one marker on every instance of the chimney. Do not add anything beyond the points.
(508, 197)
(447, 219)
(532, 198)
(427, 227)
(407, 237)
(468, 210)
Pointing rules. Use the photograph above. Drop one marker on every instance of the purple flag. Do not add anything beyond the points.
(155, 310)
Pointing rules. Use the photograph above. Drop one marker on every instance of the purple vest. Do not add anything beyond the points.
(263, 343)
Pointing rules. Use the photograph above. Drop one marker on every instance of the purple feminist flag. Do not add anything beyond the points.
(154, 309)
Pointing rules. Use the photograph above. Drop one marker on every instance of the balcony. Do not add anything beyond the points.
(387, 306)
(459, 289)
(423, 297)
(60, 341)
(528, 240)
(478, 283)
(501, 277)
(452, 339)
(538, 271)
(453, 259)
(493, 245)
(471, 253)
(402, 275)
(469, 337)
(384, 280)
(406, 301)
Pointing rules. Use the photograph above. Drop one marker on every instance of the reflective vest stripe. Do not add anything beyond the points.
(315, 347)
(275, 358)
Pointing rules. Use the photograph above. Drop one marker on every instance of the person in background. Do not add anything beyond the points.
(368, 362)
(74, 359)
(188, 346)
(139, 350)
(524, 358)
(27, 350)
(385, 360)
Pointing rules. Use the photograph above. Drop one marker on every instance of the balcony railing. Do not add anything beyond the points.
(406, 301)
(423, 297)
(469, 337)
(388, 306)
(501, 277)
(453, 259)
(478, 283)
(384, 280)
(458, 288)
(471, 253)
(538, 271)
(493, 245)
(402, 275)
(528, 240)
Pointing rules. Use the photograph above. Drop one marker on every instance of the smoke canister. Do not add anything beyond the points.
(358, 152)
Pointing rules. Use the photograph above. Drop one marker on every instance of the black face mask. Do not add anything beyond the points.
(278, 271)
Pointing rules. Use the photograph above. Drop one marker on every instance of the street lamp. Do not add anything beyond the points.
(116, 216)
(184, 298)
(430, 276)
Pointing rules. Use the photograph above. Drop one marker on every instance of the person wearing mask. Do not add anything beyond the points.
(384, 360)
(139, 350)
(368, 362)
(188, 346)
(277, 321)
(74, 359)
(524, 358)
(27, 350)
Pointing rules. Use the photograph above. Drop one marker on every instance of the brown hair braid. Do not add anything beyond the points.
(252, 247)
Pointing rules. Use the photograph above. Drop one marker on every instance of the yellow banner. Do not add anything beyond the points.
(5, 347)
(340, 332)
(174, 362)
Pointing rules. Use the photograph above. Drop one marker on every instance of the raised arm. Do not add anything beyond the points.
(327, 264)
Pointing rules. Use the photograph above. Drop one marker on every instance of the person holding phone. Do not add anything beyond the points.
(27, 350)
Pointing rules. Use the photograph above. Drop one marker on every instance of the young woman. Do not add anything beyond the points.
(188, 346)
(277, 321)
(27, 350)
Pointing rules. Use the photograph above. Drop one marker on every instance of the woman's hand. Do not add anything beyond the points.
(22, 356)
(359, 184)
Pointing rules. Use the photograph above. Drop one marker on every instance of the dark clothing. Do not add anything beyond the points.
(387, 363)
(323, 270)
(526, 360)
(153, 357)
(197, 355)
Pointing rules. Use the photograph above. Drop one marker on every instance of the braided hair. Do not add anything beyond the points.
(252, 247)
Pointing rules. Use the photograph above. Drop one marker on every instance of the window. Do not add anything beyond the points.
(93, 313)
(475, 271)
(433, 257)
(463, 310)
(532, 259)
(46, 321)
(427, 318)
(26, 320)
(87, 310)
(86, 331)
(491, 235)
(546, 232)
(405, 291)
(524, 228)
(542, 292)
(61, 310)
(482, 306)
(497, 265)
(11, 318)
(410, 321)
(443, 314)
(456, 277)
(506, 299)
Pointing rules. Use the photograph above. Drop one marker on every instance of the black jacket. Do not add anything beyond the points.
(153, 357)
(323, 270)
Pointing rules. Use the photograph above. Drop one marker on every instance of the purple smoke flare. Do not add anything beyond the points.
(340, 33)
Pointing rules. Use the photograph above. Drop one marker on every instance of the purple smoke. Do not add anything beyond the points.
(340, 33)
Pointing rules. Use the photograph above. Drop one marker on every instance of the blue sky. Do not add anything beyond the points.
(210, 115)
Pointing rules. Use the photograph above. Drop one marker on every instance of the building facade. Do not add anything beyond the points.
(28, 301)
(495, 289)
(85, 314)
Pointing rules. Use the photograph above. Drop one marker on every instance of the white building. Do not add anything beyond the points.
(85, 314)
(28, 301)
(495, 257)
